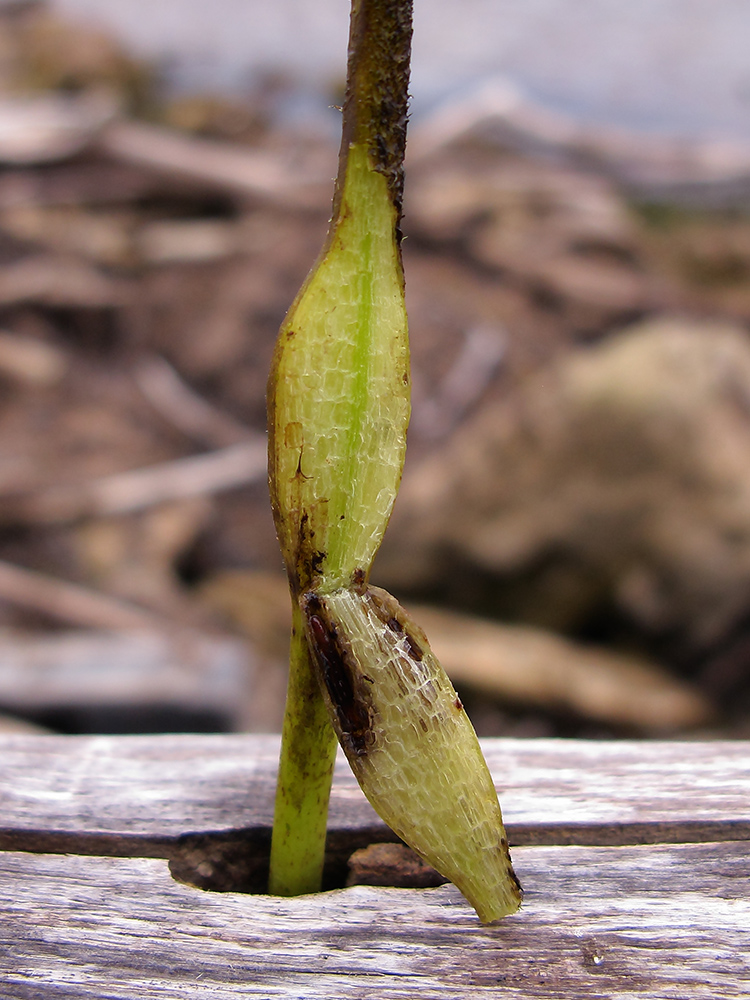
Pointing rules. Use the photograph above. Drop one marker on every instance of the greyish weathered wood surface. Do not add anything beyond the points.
(152, 789)
(654, 921)
(606, 922)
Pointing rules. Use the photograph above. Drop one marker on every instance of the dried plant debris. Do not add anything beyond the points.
(128, 245)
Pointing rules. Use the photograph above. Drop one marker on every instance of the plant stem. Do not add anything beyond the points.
(308, 751)
(338, 410)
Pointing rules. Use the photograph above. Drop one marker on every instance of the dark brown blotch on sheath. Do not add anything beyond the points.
(308, 560)
(347, 687)
(393, 616)
(514, 879)
(415, 650)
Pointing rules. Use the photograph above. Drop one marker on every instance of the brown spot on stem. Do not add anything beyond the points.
(294, 435)
(308, 559)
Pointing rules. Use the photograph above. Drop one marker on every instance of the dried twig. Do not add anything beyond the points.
(527, 666)
(482, 352)
(242, 171)
(128, 492)
(68, 602)
(52, 280)
(183, 408)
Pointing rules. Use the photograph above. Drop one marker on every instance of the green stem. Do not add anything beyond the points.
(308, 752)
(338, 401)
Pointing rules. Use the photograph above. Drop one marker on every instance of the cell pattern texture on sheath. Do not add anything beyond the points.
(410, 742)
(339, 393)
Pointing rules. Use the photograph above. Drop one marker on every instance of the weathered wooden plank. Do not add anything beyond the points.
(206, 802)
(556, 791)
(649, 923)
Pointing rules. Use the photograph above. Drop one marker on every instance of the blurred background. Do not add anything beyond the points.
(573, 530)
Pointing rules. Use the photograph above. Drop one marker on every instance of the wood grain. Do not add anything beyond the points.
(656, 921)
(551, 790)
(641, 922)
(206, 802)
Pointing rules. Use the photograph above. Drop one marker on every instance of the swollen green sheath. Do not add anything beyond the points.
(338, 415)
(410, 743)
(340, 393)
